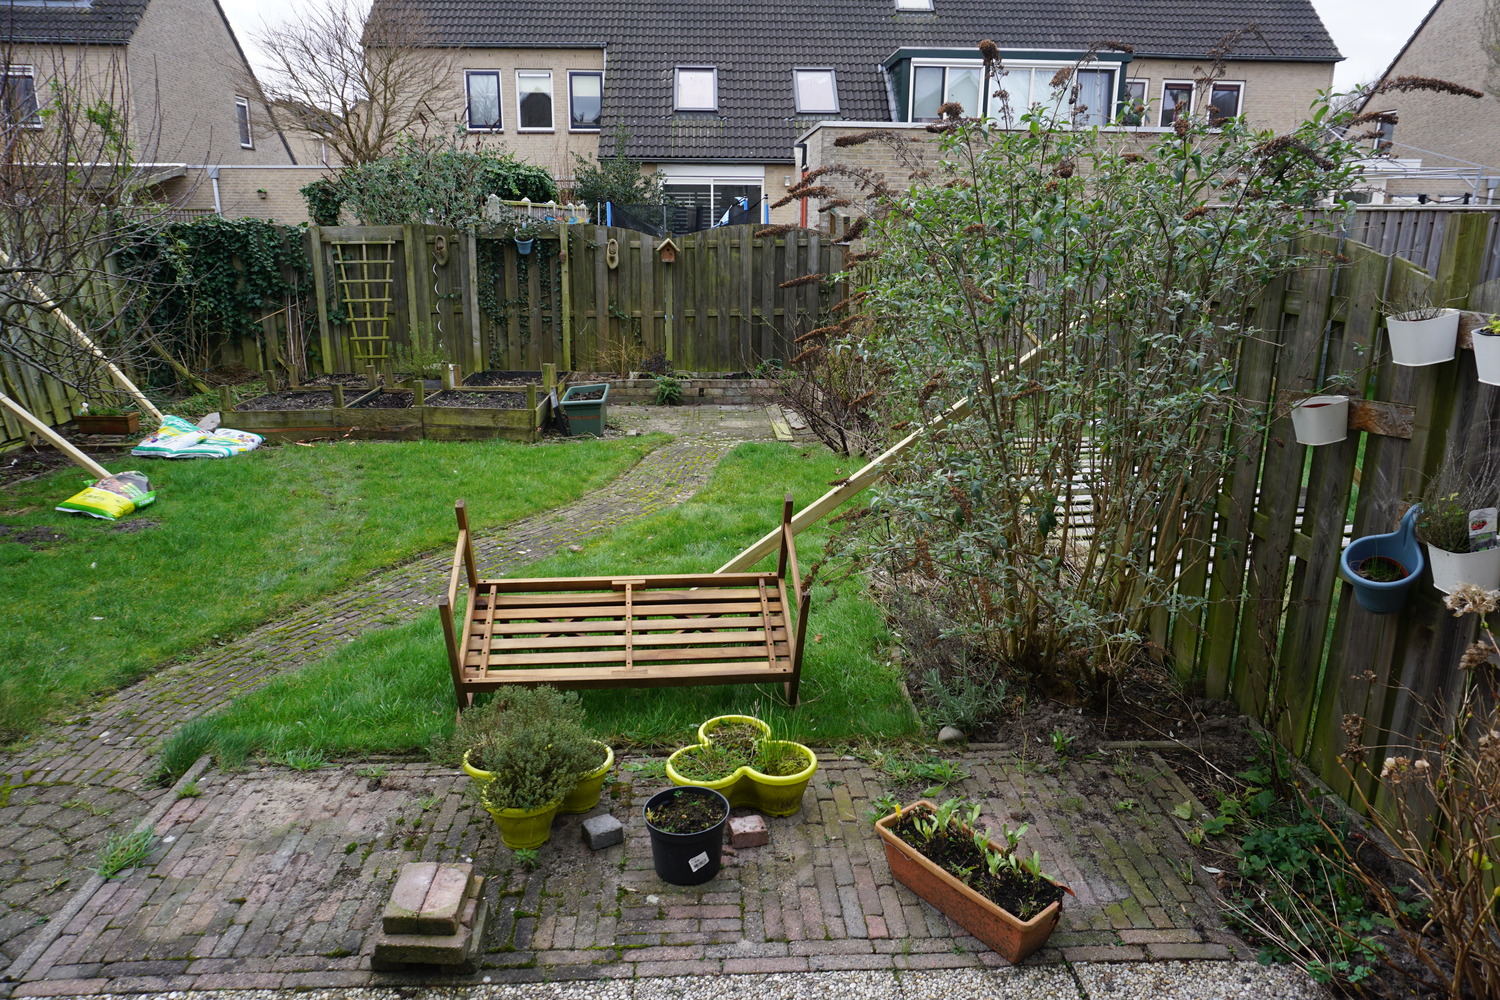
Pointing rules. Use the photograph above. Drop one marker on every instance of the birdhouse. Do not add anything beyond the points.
(666, 250)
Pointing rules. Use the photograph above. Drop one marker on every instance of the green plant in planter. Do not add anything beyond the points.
(526, 228)
(668, 390)
(478, 724)
(1491, 327)
(1447, 500)
(532, 761)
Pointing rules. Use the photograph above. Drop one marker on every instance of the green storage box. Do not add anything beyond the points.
(586, 416)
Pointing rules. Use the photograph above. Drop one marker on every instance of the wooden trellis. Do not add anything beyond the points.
(366, 276)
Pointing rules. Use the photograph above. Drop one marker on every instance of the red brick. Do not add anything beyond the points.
(62, 988)
(1210, 952)
(765, 965)
(405, 906)
(1105, 953)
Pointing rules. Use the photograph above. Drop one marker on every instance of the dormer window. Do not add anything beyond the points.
(697, 88)
(817, 91)
(923, 5)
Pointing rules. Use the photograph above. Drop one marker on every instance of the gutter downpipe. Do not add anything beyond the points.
(213, 175)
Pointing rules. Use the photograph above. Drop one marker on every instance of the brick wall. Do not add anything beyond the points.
(1277, 95)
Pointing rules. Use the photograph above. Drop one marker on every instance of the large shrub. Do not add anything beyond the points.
(1089, 293)
(443, 183)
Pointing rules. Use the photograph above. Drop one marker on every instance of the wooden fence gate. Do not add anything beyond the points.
(1280, 632)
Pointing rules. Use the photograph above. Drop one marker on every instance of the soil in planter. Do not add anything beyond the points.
(338, 378)
(780, 759)
(710, 763)
(388, 401)
(579, 397)
(479, 400)
(1021, 895)
(686, 814)
(293, 400)
(498, 378)
(1379, 569)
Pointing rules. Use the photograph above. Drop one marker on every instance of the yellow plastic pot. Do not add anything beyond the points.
(771, 794)
(585, 795)
(526, 829)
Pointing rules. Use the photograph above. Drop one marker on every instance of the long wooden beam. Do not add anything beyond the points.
(46, 303)
(864, 478)
(61, 443)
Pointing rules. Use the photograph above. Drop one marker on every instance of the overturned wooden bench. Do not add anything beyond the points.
(625, 631)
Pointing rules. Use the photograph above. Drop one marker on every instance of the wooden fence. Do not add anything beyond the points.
(48, 399)
(1418, 233)
(1280, 632)
(584, 298)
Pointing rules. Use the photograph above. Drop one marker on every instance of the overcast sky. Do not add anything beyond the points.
(1367, 32)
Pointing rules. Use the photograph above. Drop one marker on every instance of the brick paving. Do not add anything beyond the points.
(61, 796)
(276, 879)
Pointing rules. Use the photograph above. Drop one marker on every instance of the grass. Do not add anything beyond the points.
(389, 691)
(233, 543)
(124, 851)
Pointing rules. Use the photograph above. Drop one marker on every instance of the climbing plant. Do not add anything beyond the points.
(544, 257)
(437, 183)
(211, 276)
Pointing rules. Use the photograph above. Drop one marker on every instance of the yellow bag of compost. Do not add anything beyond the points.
(112, 498)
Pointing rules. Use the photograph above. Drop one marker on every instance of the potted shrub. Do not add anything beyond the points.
(1321, 420)
(1422, 333)
(686, 826)
(1382, 568)
(736, 756)
(987, 886)
(108, 420)
(527, 753)
(1487, 351)
(1457, 524)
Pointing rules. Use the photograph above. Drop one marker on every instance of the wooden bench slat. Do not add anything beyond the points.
(617, 599)
(503, 647)
(642, 625)
(617, 610)
(750, 671)
(474, 659)
(512, 585)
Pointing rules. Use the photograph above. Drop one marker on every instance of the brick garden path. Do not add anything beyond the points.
(62, 796)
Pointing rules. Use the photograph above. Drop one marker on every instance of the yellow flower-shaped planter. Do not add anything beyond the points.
(774, 795)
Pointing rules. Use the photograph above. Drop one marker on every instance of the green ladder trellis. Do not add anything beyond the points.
(366, 274)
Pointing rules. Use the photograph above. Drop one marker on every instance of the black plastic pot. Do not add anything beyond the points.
(687, 858)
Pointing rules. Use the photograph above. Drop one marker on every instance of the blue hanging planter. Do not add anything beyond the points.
(1400, 548)
(524, 246)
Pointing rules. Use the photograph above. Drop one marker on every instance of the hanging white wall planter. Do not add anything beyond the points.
(1321, 420)
(1419, 342)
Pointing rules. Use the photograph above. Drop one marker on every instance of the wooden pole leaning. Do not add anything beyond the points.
(45, 301)
(59, 442)
(861, 480)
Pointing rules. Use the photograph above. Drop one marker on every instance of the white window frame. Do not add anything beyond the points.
(33, 120)
(1051, 66)
(914, 5)
(1239, 105)
(585, 72)
(499, 125)
(945, 65)
(247, 133)
(1176, 85)
(677, 104)
(551, 125)
(833, 79)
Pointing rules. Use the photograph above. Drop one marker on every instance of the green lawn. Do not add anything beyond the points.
(389, 692)
(231, 543)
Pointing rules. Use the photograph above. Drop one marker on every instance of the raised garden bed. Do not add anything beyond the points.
(697, 389)
(509, 405)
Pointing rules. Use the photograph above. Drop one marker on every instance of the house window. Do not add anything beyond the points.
(483, 89)
(585, 100)
(1176, 100)
(242, 119)
(1224, 101)
(1084, 97)
(816, 90)
(18, 98)
(934, 86)
(534, 98)
(1133, 109)
(913, 4)
(697, 88)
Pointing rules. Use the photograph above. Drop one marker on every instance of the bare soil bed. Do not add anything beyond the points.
(502, 378)
(290, 400)
(390, 400)
(479, 400)
(348, 381)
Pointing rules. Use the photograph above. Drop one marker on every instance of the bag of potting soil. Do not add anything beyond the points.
(111, 498)
(172, 438)
(222, 443)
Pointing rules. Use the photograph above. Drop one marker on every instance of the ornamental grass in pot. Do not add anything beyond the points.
(985, 884)
(737, 757)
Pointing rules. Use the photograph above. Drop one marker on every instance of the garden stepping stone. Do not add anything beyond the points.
(603, 831)
(435, 918)
(748, 831)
